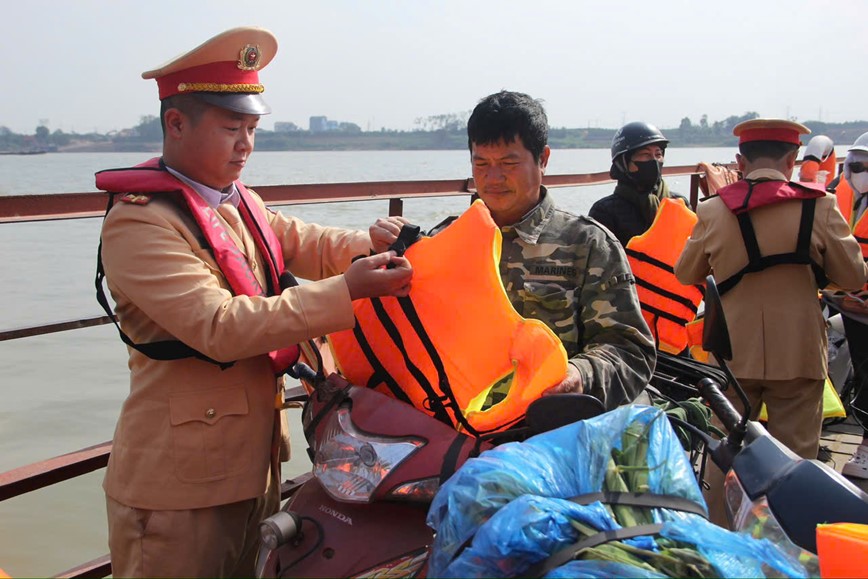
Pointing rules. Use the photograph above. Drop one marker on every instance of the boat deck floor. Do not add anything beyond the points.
(841, 440)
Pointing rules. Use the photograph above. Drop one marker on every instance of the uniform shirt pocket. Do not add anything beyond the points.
(542, 300)
(208, 433)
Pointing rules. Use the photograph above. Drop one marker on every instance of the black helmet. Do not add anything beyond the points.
(634, 136)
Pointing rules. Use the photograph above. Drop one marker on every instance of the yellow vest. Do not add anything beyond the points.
(455, 337)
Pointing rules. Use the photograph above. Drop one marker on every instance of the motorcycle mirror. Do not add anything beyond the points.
(715, 339)
(715, 333)
(556, 410)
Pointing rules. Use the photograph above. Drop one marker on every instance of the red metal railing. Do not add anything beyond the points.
(25, 208)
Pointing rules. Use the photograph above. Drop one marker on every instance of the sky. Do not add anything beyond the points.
(76, 65)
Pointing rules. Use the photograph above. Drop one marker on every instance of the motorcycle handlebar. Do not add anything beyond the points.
(304, 372)
(720, 405)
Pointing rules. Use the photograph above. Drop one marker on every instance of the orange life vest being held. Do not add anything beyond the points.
(667, 304)
(447, 345)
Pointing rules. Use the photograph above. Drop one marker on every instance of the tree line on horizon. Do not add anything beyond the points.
(446, 131)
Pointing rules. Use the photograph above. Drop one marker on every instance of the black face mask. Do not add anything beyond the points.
(648, 175)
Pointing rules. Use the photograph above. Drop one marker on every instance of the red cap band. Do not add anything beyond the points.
(762, 134)
(216, 77)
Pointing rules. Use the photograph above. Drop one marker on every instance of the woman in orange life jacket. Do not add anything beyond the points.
(852, 194)
(819, 156)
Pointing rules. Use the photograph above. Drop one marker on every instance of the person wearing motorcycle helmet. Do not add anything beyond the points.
(819, 156)
(638, 149)
(852, 195)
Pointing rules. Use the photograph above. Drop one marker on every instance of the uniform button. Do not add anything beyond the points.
(210, 413)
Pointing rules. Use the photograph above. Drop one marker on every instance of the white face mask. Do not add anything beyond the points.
(859, 182)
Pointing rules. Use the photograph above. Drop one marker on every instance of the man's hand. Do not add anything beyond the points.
(385, 231)
(369, 277)
(572, 384)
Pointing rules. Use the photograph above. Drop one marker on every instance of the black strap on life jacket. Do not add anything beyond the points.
(758, 262)
(162, 350)
(450, 459)
(443, 404)
(686, 302)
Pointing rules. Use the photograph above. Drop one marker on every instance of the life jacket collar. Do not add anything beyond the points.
(151, 177)
(749, 194)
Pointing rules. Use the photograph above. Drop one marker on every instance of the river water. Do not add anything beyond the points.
(62, 392)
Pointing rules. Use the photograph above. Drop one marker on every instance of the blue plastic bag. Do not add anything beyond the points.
(505, 511)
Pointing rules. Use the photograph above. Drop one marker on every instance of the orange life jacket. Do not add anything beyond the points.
(809, 168)
(859, 227)
(667, 304)
(455, 337)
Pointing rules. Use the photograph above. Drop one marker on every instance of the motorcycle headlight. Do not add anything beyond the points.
(351, 464)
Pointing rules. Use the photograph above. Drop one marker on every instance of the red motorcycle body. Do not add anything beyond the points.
(342, 532)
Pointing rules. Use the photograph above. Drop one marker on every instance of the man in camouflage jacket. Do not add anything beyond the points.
(562, 269)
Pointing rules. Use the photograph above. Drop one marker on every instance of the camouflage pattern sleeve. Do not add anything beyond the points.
(573, 275)
(617, 356)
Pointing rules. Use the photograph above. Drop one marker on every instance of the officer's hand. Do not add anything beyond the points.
(369, 277)
(572, 384)
(385, 231)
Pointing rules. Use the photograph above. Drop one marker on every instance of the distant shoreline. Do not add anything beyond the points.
(147, 138)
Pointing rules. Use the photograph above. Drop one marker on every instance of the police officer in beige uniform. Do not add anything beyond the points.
(774, 316)
(769, 257)
(192, 260)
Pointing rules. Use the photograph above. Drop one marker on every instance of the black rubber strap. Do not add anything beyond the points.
(165, 350)
(747, 197)
(645, 500)
(757, 262)
(663, 314)
(442, 379)
(642, 256)
(803, 246)
(567, 554)
(437, 407)
(648, 500)
(380, 375)
(748, 234)
(684, 301)
(450, 459)
(408, 235)
(335, 399)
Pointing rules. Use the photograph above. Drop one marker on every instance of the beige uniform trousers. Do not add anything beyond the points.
(795, 411)
(188, 543)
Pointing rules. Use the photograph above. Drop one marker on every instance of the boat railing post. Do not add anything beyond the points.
(694, 190)
(396, 207)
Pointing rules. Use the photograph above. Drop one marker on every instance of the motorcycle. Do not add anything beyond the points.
(762, 475)
(377, 463)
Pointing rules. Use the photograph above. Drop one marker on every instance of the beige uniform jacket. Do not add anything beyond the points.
(191, 435)
(775, 321)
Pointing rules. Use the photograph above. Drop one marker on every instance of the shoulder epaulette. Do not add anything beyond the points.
(135, 198)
